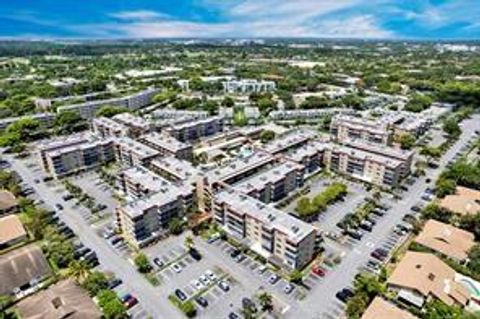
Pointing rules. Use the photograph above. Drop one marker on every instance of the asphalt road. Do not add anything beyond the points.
(154, 301)
(321, 301)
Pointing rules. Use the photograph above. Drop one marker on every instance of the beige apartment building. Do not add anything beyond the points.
(168, 145)
(132, 153)
(280, 238)
(105, 127)
(346, 127)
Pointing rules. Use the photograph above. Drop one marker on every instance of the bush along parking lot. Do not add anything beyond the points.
(361, 218)
(86, 200)
(308, 208)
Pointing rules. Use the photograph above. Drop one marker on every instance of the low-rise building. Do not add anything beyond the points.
(248, 86)
(465, 201)
(165, 114)
(368, 167)
(130, 152)
(64, 299)
(446, 239)
(46, 120)
(175, 170)
(11, 231)
(168, 145)
(251, 113)
(289, 141)
(145, 219)
(106, 127)
(194, 130)
(273, 184)
(420, 277)
(8, 203)
(379, 308)
(80, 157)
(280, 238)
(136, 125)
(404, 156)
(22, 268)
(346, 127)
(306, 115)
(132, 102)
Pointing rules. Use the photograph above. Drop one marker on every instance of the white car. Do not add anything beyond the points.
(177, 268)
(210, 274)
(198, 285)
(204, 279)
(262, 269)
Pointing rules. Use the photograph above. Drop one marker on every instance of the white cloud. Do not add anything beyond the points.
(139, 15)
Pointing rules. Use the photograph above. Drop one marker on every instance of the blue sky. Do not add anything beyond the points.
(418, 19)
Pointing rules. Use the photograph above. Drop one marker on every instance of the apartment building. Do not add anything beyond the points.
(46, 120)
(136, 125)
(280, 238)
(307, 115)
(164, 114)
(55, 144)
(167, 145)
(251, 113)
(106, 127)
(368, 167)
(89, 109)
(248, 86)
(194, 130)
(175, 170)
(137, 182)
(274, 183)
(346, 127)
(79, 157)
(146, 219)
(309, 155)
(289, 141)
(132, 153)
(404, 156)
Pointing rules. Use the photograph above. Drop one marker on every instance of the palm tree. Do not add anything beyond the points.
(266, 301)
(79, 270)
(189, 242)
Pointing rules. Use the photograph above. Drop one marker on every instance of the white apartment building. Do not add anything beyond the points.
(345, 127)
(168, 145)
(248, 86)
(131, 152)
(88, 110)
(136, 125)
(175, 170)
(194, 130)
(106, 127)
(289, 140)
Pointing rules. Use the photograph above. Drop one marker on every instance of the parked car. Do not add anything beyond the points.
(67, 197)
(355, 234)
(318, 270)
(366, 225)
(224, 286)
(345, 294)
(180, 295)
(213, 238)
(201, 301)
(113, 283)
(273, 279)
(288, 288)
(210, 274)
(248, 303)
(159, 263)
(204, 279)
(130, 302)
(195, 254)
(235, 253)
(240, 258)
(233, 315)
(59, 206)
(177, 268)
(262, 269)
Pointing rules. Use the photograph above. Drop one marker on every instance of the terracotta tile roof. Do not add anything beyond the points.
(446, 239)
(10, 228)
(465, 201)
(62, 300)
(379, 308)
(7, 200)
(20, 266)
(428, 275)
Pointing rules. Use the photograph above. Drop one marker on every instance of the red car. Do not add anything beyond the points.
(130, 302)
(318, 271)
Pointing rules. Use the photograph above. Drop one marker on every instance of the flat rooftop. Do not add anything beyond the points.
(271, 218)
(387, 151)
(270, 176)
(290, 139)
(165, 141)
(132, 120)
(197, 122)
(239, 165)
(364, 155)
(105, 121)
(134, 146)
(183, 170)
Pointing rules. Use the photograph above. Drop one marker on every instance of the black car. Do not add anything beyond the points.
(59, 206)
(344, 295)
(195, 254)
(158, 262)
(201, 301)
(180, 295)
(248, 303)
(67, 197)
(233, 315)
(235, 253)
(114, 283)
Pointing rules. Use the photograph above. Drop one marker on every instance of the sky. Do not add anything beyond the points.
(372, 19)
